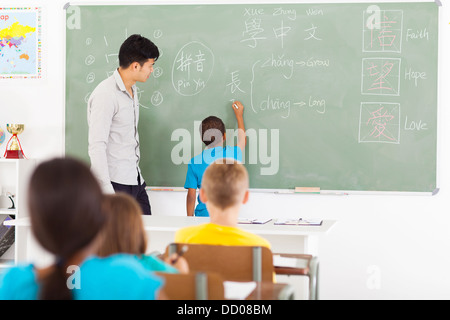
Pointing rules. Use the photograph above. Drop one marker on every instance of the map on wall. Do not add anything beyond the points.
(20, 43)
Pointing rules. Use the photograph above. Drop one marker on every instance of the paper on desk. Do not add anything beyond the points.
(288, 221)
(245, 221)
(300, 222)
(253, 220)
(238, 290)
(310, 222)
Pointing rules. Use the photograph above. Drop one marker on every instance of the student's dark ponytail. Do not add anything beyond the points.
(54, 285)
(65, 210)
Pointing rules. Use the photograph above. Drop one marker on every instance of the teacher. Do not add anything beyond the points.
(113, 116)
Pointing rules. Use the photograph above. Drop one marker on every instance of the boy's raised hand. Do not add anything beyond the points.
(238, 108)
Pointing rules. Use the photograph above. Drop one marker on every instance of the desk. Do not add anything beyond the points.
(283, 238)
(287, 239)
(301, 270)
(306, 265)
(161, 231)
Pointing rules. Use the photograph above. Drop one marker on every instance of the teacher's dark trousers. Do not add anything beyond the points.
(138, 192)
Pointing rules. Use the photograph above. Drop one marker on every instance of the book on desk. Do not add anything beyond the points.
(253, 220)
(299, 222)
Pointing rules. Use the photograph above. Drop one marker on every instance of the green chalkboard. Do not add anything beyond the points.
(337, 96)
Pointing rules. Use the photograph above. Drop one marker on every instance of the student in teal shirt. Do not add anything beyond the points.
(124, 233)
(118, 277)
(64, 203)
(213, 136)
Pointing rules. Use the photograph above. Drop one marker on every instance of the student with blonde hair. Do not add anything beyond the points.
(124, 233)
(224, 190)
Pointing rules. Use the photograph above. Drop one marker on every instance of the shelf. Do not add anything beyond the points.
(6, 263)
(11, 212)
(14, 176)
(12, 159)
(3, 160)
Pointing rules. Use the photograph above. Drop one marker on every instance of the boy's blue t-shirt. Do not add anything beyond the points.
(117, 277)
(198, 165)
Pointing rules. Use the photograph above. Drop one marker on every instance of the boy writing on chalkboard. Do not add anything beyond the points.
(213, 135)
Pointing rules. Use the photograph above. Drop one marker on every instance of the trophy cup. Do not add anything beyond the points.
(15, 149)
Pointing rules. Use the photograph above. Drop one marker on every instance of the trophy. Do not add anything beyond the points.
(15, 149)
(2, 136)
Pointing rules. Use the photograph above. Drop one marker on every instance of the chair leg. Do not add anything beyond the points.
(257, 264)
(201, 286)
(287, 293)
(314, 279)
(172, 249)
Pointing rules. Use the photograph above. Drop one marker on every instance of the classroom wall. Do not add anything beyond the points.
(382, 247)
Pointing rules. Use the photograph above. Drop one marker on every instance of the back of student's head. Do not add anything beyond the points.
(137, 48)
(64, 200)
(212, 130)
(225, 183)
(124, 230)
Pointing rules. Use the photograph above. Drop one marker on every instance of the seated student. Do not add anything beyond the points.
(213, 135)
(64, 201)
(224, 190)
(124, 233)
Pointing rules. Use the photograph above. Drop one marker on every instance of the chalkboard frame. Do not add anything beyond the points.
(290, 190)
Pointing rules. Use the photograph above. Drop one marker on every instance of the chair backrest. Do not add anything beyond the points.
(232, 263)
(192, 286)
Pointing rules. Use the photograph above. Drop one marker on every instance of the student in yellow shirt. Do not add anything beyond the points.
(224, 190)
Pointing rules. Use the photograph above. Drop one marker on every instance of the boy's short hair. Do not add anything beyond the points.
(211, 128)
(136, 48)
(225, 182)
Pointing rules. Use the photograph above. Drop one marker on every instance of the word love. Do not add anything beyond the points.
(414, 125)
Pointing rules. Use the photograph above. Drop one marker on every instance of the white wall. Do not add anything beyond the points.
(405, 240)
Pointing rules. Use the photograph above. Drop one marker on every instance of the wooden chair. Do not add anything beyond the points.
(192, 286)
(307, 265)
(272, 291)
(232, 263)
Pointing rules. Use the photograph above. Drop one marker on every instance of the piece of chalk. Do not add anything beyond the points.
(235, 105)
(307, 189)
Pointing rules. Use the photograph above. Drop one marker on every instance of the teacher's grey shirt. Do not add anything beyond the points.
(113, 117)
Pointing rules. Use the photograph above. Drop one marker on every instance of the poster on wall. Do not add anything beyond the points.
(20, 43)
